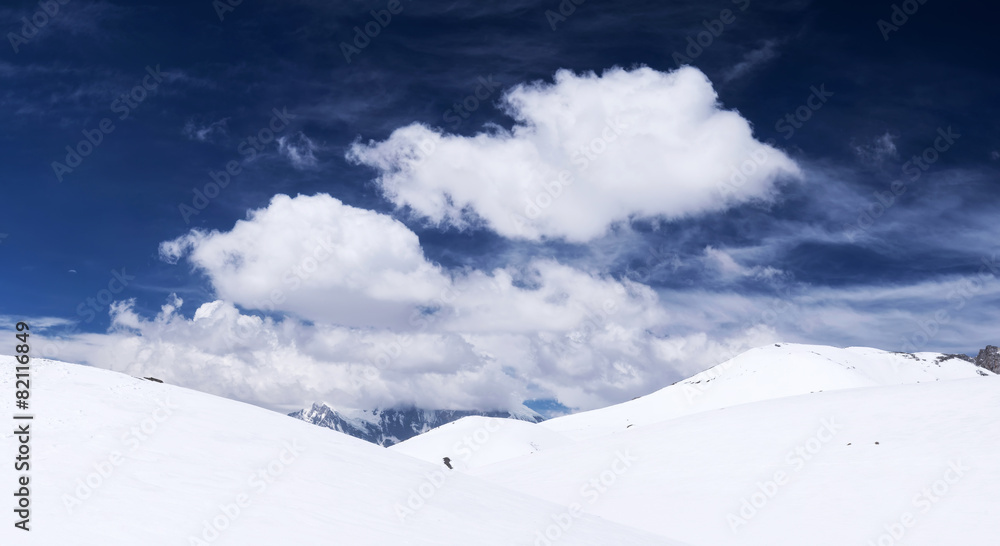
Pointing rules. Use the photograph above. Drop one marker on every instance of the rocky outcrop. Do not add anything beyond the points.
(959, 356)
(989, 358)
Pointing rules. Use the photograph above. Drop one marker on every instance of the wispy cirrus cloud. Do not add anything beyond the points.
(207, 132)
(751, 60)
(299, 150)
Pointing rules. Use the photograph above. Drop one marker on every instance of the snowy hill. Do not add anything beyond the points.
(473, 442)
(118, 460)
(897, 449)
(387, 427)
(764, 373)
(772, 371)
(909, 464)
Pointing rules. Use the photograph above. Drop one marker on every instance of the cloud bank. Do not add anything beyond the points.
(318, 300)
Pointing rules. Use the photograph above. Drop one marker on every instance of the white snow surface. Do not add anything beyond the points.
(826, 469)
(473, 442)
(895, 450)
(166, 475)
(763, 373)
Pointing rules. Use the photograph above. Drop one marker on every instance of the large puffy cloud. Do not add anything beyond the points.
(389, 327)
(585, 152)
(318, 258)
(322, 260)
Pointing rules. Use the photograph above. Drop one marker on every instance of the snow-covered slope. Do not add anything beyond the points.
(473, 442)
(121, 461)
(764, 373)
(911, 464)
(896, 449)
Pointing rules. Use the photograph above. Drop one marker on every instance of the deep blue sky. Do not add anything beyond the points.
(63, 239)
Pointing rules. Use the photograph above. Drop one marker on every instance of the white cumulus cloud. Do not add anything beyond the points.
(317, 258)
(586, 151)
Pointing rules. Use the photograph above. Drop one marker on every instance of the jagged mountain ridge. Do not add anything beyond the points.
(387, 427)
(987, 359)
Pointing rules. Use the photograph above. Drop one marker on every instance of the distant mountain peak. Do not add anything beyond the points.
(389, 426)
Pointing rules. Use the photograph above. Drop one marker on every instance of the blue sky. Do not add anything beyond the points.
(856, 231)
